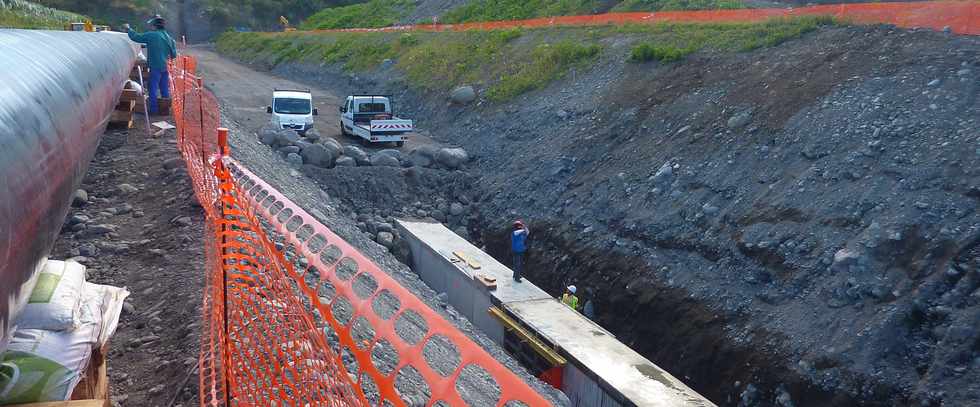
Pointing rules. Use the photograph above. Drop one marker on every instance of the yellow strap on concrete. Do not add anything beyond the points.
(526, 336)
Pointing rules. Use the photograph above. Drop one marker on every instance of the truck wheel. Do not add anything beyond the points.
(343, 131)
(399, 143)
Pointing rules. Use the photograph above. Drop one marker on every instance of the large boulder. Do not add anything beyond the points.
(452, 158)
(313, 135)
(289, 149)
(393, 153)
(318, 155)
(294, 160)
(285, 138)
(268, 135)
(384, 160)
(463, 95)
(333, 146)
(357, 154)
(423, 156)
(346, 162)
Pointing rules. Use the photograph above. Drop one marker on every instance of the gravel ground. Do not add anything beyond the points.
(141, 228)
(797, 223)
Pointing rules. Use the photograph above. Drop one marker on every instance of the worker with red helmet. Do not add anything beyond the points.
(518, 246)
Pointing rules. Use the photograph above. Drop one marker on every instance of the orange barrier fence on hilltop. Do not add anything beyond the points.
(960, 16)
(293, 315)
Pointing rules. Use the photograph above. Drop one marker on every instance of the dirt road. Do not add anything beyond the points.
(245, 92)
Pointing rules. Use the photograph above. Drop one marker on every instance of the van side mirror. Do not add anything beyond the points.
(268, 109)
(316, 112)
(341, 108)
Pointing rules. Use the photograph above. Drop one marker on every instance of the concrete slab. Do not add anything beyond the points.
(585, 342)
(436, 237)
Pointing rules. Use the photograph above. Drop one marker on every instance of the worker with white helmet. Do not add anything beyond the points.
(569, 297)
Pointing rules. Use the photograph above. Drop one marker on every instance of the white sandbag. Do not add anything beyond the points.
(103, 306)
(56, 300)
(47, 365)
(44, 365)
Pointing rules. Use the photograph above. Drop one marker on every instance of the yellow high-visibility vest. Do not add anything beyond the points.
(570, 300)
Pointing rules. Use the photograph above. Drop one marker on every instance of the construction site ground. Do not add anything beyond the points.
(796, 222)
(789, 222)
(141, 228)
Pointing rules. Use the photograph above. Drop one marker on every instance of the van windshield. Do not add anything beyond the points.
(293, 106)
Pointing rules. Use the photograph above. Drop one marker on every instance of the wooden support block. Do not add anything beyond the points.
(489, 283)
(124, 106)
(130, 95)
(119, 117)
(465, 258)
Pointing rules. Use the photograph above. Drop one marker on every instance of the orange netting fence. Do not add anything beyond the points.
(960, 16)
(293, 315)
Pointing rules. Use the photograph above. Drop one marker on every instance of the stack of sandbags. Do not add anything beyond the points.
(66, 319)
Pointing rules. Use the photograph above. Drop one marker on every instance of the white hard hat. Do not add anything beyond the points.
(571, 289)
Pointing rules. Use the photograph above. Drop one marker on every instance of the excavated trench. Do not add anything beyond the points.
(682, 335)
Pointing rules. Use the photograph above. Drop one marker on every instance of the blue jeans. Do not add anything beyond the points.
(159, 84)
(518, 265)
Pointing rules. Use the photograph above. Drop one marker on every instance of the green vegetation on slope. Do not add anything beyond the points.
(375, 13)
(688, 38)
(506, 63)
(660, 5)
(24, 14)
(109, 11)
(496, 10)
(263, 14)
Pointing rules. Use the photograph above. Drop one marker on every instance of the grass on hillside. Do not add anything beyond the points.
(686, 39)
(372, 14)
(24, 14)
(505, 63)
(496, 10)
(661, 5)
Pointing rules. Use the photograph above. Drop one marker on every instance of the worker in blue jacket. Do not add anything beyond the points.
(160, 49)
(518, 246)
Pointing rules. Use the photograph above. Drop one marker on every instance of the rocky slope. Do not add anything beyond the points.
(798, 223)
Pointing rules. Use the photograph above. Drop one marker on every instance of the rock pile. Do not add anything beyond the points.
(312, 149)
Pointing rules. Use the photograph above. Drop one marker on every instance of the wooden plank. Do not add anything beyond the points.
(95, 382)
(469, 261)
(125, 106)
(489, 283)
(130, 95)
(119, 117)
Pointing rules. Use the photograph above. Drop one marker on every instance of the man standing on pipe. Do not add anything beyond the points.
(160, 48)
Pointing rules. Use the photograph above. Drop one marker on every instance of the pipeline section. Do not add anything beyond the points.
(57, 90)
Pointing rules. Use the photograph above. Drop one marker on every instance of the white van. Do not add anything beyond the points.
(292, 109)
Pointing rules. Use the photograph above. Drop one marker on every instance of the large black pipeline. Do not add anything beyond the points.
(57, 90)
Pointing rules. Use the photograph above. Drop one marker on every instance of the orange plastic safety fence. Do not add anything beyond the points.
(961, 16)
(293, 315)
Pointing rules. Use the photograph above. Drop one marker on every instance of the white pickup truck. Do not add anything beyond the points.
(370, 118)
(292, 109)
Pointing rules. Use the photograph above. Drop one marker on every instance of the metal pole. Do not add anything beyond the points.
(220, 172)
(146, 111)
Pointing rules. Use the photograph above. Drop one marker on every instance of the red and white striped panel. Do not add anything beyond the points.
(391, 127)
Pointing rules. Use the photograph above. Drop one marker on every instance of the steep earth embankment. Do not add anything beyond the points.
(794, 223)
